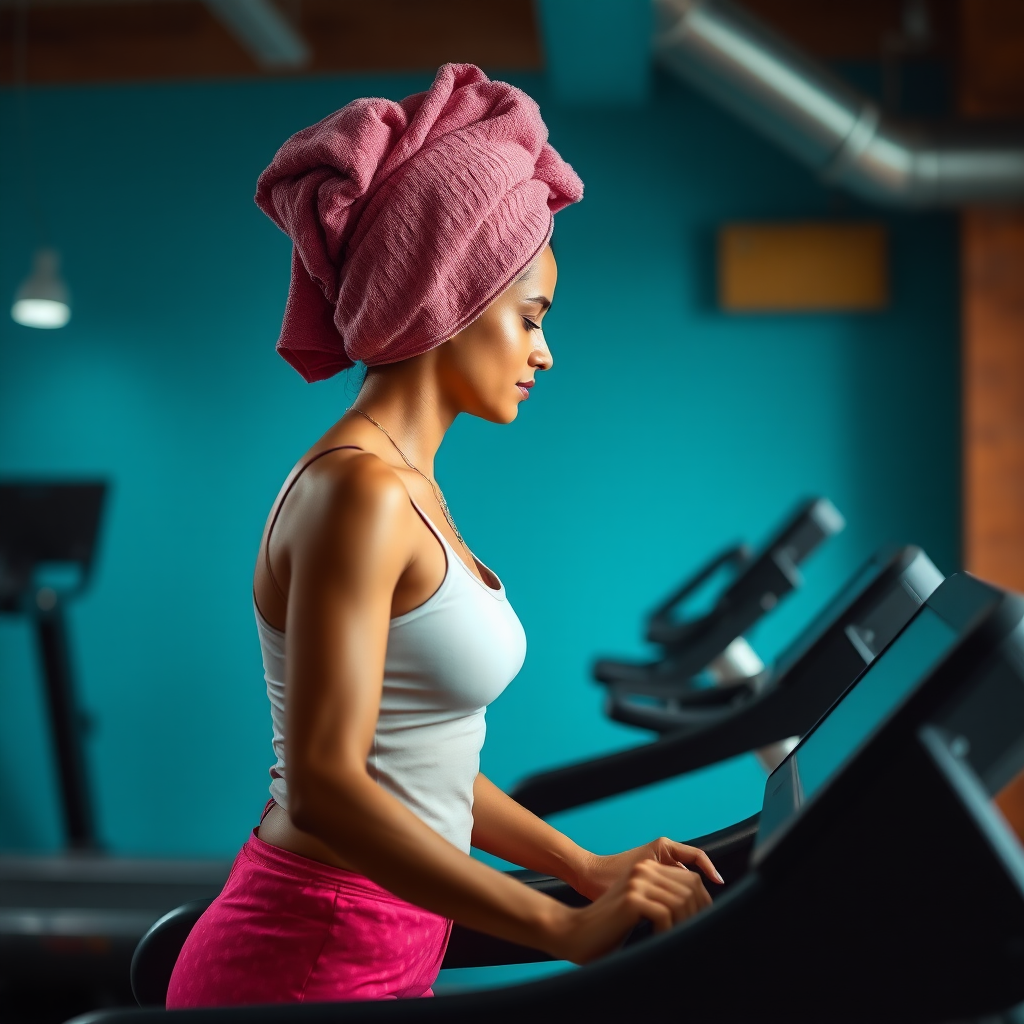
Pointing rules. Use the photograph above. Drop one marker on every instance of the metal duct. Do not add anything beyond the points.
(264, 31)
(726, 53)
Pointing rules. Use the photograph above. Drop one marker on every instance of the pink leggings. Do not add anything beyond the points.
(289, 929)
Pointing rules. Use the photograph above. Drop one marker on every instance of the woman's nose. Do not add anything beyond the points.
(541, 357)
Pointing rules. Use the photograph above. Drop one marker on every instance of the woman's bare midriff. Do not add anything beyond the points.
(277, 830)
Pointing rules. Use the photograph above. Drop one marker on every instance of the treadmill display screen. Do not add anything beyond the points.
(883, 687)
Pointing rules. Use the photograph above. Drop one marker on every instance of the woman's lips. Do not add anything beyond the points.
(524, 389)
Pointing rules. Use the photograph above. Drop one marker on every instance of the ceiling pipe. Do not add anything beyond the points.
(259, 26)
(725, 52)
(264, 31)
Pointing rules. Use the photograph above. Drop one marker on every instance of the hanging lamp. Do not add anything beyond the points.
(43, 299)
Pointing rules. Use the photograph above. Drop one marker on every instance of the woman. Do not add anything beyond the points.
(421, 247)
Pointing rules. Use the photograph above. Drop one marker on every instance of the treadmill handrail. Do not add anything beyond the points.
(681, 717)
(729, 848)
(584, 782)
(738, 555)
(765, 579)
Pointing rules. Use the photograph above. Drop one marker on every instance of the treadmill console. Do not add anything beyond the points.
(909, 787)
(761, 582)
(854, 719)
(816, 628)
(977, 742)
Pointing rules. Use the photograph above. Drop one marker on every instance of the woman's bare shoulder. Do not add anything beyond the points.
(355, 491)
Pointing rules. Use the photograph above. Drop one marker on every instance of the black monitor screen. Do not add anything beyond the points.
(855, 717)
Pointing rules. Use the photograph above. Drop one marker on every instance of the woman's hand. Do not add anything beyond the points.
(652, 882)
(661, 893)
(596, 875)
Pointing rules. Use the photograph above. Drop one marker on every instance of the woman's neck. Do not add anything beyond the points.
(407, 402)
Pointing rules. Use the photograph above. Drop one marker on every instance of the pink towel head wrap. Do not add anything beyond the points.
(408, 218)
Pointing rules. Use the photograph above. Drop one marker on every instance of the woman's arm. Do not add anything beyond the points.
(508, 830)
(352, 540)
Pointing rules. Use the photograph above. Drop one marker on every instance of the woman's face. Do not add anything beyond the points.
(487, 369)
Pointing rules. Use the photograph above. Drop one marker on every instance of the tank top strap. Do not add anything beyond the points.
(288, 490)
(451, 553)
(430, 525)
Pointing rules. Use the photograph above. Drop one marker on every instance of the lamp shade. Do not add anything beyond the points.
(43, 299)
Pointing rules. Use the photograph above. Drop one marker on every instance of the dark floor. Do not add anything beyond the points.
(50, 1004)
(54, 1004)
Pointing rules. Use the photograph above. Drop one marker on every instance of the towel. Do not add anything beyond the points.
(407, 219)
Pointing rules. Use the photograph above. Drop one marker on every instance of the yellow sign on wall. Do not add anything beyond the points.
(802, 267)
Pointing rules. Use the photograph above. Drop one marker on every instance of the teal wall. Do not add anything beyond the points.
(665, 431)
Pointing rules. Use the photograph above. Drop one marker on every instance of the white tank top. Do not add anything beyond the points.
(446, 661)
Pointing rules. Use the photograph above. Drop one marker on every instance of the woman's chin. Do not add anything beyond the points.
(498, 413)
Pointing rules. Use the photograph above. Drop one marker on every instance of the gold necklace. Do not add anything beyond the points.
(433, 486)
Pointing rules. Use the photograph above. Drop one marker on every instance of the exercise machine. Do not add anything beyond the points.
(767, 714)
(72, 920)
(882, 879)
(712, 643)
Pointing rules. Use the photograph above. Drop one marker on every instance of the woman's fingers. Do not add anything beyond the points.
(661, 893)
(684, 854)
(684, 895)
(678, 894)
(646, 905)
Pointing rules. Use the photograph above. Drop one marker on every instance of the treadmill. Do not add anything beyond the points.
(69, 922)
(766, 715)
(882, 880)
(712, 644)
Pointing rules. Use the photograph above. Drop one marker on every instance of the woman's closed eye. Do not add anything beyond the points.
(530, 325)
